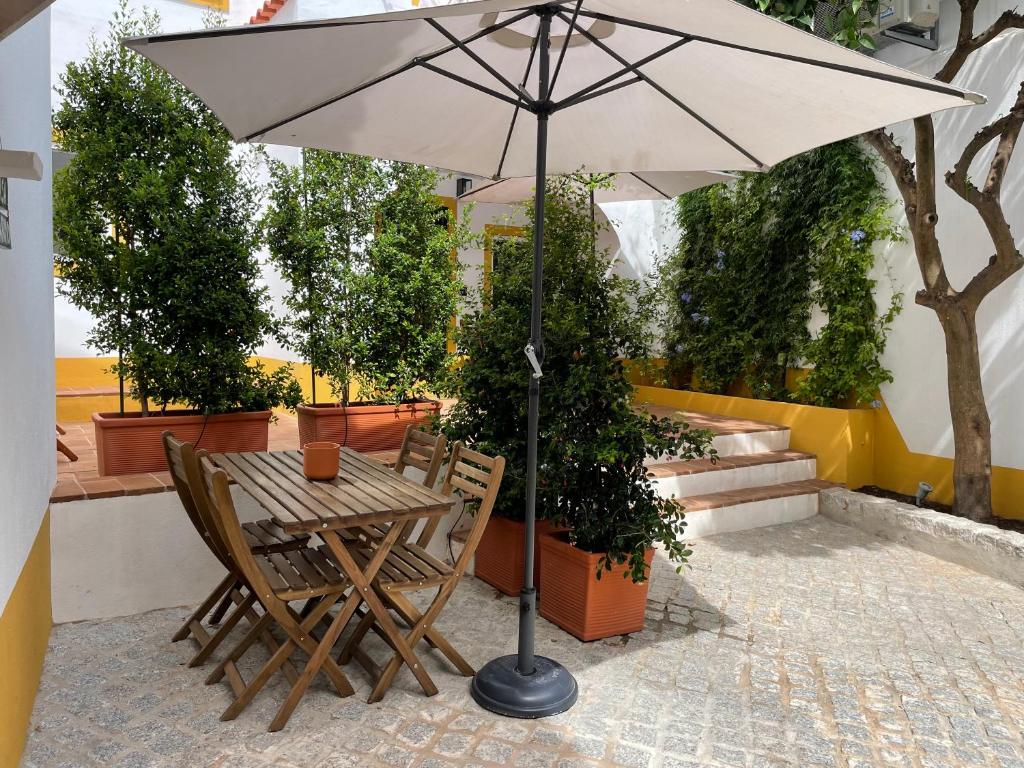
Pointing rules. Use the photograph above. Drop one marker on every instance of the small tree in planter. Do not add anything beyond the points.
(366, 251)
(153, 219)
(593, 444)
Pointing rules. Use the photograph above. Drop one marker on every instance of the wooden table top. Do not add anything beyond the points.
(365, 492)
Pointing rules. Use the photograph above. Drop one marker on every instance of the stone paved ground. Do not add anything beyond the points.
(807, 644)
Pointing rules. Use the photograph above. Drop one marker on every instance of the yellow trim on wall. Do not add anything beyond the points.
(94, 373)
(24, 633)
(855, 447)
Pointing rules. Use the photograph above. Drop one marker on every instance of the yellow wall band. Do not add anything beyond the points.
(24, 633)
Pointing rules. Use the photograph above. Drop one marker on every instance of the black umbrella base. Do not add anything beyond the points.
(500, 688)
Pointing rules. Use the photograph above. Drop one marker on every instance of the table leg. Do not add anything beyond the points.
(363, 592)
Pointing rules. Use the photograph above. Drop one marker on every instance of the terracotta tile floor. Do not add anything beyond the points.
(81, 479)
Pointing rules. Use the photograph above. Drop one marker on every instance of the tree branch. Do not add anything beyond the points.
(899, 166)
(1007, 259)
(967, 42)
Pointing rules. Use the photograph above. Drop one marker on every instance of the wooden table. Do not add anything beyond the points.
(365, 493)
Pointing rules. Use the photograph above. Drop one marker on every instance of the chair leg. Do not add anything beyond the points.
(357, 637)
(224, 588)
(298, 636)
(411, 616)
(317, 659)
(220, 610)
(243, 609)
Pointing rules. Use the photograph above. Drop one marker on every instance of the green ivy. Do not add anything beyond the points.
(592, 446)
(848, 26)
(754, 259)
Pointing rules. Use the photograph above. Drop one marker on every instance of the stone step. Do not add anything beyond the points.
(733, 436)
(742, 509)
(730, 473)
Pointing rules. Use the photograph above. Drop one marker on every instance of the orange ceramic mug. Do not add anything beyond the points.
(320, 461)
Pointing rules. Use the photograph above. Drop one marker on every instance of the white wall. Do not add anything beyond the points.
(918, 397)
(27, 464)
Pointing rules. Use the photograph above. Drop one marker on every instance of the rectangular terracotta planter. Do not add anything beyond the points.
(364, 428)
(130, 444)
(500, 558)
(583, 605)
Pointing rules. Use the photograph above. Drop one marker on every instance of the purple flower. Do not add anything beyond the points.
(705, 319)
(719, 260)
(686, 297)
(858, 235)
(696, 317)
(679, 349)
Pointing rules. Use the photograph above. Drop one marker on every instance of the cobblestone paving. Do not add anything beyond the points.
(806, 645)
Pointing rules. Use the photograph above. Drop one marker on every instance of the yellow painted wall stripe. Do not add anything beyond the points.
(24, 633)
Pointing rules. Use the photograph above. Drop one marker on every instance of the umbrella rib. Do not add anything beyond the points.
(515, 112)
(475, 57)
(646, 182)
(675, 100)
(468, 83)
(572, 102)
(387, 75)
(928, 85)
(572, 99)
(565, 46)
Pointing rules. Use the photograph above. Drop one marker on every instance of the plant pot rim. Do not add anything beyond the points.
(559, 539)
(115, 419)
(359, 407)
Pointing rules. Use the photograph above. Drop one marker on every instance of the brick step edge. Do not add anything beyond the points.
(751, 495)
(663, 469)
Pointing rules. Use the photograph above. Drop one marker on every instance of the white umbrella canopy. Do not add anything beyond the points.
(619, 86)
(716, 86)
(620, 187)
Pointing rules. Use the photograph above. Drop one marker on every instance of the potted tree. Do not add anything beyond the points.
(366, 252)
(592, 444)
(153, 219)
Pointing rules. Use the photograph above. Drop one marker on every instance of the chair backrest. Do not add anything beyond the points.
(183, 465)
(477, 477)
(214, 493)
(422, 450)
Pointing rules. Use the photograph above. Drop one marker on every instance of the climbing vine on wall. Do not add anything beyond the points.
(757, 256)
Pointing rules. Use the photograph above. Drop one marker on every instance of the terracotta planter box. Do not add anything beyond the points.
(500, 557)
(364, 428)
(575, 600)
(130, 444)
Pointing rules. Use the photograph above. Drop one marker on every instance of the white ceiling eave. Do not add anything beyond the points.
(14, 13)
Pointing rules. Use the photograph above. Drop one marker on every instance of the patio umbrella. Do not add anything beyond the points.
(614, 187)
(613, 85)
(603, 188)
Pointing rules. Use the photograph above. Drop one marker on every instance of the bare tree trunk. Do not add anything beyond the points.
(972, 430)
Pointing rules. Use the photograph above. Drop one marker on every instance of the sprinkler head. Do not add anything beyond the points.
(923, 489)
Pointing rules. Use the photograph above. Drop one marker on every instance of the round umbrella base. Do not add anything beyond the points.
(500, 688)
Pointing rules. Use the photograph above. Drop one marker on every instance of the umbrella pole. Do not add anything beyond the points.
(526, 685)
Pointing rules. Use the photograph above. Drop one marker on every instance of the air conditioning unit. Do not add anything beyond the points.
(919, 14)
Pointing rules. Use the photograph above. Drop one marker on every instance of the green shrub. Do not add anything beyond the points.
(592, 444)
(365, 249)
(155, 236)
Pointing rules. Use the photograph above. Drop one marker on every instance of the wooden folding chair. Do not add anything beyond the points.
(426, 452)
(409, 568)
(276, 580)
(263, 536)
